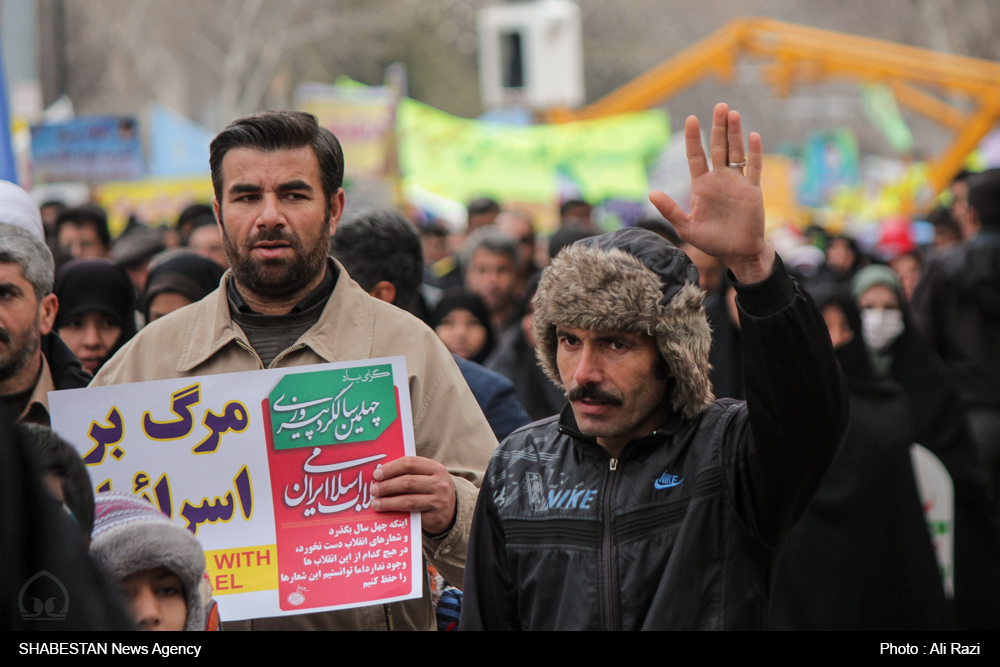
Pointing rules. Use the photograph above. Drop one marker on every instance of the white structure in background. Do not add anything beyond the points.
(531, 54)
(937, 494)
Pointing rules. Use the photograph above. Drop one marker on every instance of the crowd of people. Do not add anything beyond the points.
(788, 389)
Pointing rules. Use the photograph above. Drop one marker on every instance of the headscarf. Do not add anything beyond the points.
(860, 556)
(96, 285)
(187, 274)
(459, 298)
(851, 355)
(877, 274)
(939, 425)
(872, 276)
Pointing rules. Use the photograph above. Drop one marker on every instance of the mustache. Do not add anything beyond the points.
(593, 392)
(5, 337)
(275, 234)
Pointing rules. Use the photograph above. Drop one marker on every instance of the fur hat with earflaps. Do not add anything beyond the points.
(630, 280)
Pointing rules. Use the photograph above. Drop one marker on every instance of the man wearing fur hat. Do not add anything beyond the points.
(648, 504)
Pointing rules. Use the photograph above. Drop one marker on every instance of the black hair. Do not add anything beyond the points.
(193, 212)
(57, 456)
(492, 239)
(280, 130)
(483, 205)
(963, 175)
(380, 244)
(432, 229)
(61, 205)
(87, 214)
(941, 217)
(203, 221)
(984, 197)
(567, 205)
(568, 235)
(661, 227)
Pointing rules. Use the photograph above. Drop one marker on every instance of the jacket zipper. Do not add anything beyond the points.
(249, 349)
(297, 346)
(389, 625)
(611, 601)
(260, 361)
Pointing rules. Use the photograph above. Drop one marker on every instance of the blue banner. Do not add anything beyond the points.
(90, 148)
(177, 146)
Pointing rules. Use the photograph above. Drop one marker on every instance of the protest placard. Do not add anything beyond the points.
(271, 470)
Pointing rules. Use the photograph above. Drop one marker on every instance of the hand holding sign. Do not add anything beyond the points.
(294, 531)
(416, 484)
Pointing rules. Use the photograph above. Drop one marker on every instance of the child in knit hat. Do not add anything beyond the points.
(159, 565)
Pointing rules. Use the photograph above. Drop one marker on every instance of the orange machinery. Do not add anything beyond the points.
(793, 53)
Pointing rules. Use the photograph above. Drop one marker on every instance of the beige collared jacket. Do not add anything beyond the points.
(449, 427)
(37, 409)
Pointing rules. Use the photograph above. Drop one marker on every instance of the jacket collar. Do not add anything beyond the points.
(37, 409)
(66, 370)
(344, 331)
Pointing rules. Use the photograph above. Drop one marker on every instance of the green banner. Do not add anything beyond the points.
(462, 159)
(332, 407)
(880, 107)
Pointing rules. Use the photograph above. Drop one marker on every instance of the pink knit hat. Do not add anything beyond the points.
(131, 535)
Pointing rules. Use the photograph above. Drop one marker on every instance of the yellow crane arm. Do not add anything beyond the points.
(795, 53)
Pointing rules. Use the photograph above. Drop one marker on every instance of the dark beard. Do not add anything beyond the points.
(276, 279)
(19, 356)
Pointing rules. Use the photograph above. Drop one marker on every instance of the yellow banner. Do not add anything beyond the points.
(243, 570)
(781, 206)
(363, 118)
(155, 201)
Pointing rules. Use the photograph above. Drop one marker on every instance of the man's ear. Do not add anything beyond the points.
(337, 202)
(215, 208)
(47, 310)
(384, 291)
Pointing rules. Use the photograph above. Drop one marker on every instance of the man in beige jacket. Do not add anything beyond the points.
(278, 198)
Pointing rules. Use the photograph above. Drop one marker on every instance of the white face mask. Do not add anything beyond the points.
(881, 326)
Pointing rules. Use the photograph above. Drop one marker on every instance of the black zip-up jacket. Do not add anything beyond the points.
(682, 531)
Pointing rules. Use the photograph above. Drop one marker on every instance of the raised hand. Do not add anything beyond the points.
(727, 208)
